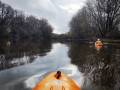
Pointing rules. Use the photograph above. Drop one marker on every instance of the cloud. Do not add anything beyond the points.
(58, 12)
(71, 8)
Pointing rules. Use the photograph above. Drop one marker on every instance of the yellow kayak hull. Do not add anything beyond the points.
(51, 83)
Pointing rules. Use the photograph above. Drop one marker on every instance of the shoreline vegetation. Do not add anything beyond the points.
(90, 22)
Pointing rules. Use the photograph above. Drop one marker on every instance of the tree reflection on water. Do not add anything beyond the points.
(102, 68)
(22, 53)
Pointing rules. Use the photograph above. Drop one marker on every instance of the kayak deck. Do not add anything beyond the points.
(52, 83)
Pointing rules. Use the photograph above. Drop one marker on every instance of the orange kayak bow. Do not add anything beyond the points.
(56, 82)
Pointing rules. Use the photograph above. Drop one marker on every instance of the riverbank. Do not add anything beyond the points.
(106, 41)
(111, 41)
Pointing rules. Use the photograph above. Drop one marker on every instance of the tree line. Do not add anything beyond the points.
(98, 18)
(15, 26)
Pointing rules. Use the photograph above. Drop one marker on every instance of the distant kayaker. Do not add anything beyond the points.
(98, 42)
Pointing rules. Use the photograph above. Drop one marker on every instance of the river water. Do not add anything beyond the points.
(22, 66)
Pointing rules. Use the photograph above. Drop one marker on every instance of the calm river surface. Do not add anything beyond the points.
(24, 65)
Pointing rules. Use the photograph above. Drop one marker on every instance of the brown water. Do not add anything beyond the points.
(24, 64)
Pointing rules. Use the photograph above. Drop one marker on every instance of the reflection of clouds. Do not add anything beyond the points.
(23, 60)
(32, 81)
(56, 58)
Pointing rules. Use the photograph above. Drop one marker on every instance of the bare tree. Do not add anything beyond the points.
(15, 26)
(105, 15)
(80, 25)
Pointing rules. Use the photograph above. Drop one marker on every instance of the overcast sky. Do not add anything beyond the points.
(58, 12)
